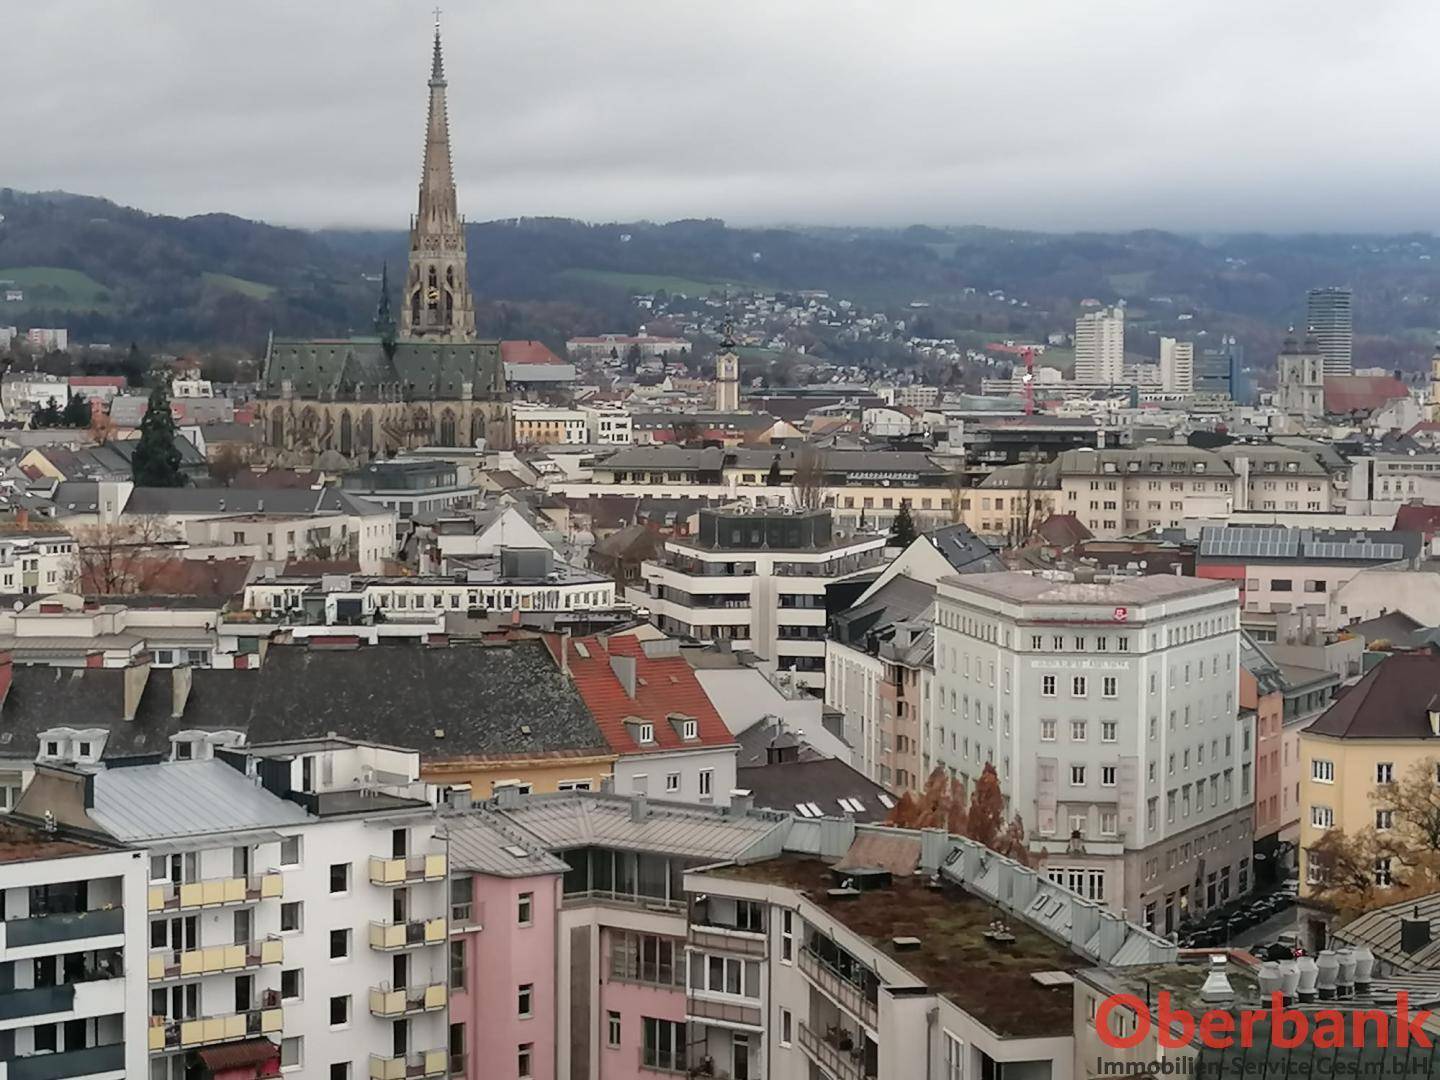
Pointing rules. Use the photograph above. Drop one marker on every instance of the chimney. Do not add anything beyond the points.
(1327, 965)
(1217, 984)
(136, 675)
(458, 797)
(180, 680)
(22, 517)
(565, 651)
(507, 796)
(639, 808)
(1414, 931)
(624, 668)
(742, 801)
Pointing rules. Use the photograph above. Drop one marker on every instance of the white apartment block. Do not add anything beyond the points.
(1177, 366)
(1118, 492)
(757, 580)
(296, 904)
(1100, 346)
(1109, 709)
(35, 560)
(72, 920)
(608, 425)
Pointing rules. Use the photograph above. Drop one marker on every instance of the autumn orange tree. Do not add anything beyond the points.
(942, 805)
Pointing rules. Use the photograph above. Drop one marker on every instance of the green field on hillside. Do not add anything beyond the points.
(53, 287)
(255, 289)
(649, 283)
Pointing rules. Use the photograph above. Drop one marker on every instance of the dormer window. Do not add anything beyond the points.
(647, 733)
(52, 749)
(690, 729)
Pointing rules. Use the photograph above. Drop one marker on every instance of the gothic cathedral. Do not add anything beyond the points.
(432, 384)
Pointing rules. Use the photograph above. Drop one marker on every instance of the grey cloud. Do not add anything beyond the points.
(1215, 114)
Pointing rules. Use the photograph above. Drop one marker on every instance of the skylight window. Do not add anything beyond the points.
(517, 851)
(886, 801)
(802, 809)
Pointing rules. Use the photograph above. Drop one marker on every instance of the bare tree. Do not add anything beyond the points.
(955, 484)
(228, 463)
(118, 558)
(807, 484)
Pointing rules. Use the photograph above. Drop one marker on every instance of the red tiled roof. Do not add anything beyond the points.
(664, 686)
(1063, 530)
(97, 380)
(1415, 518)
(1361, 393)
(527, 352)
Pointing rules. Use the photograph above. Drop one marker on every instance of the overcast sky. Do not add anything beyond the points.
(1206, 115)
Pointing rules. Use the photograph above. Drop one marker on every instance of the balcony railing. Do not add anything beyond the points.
(425, 1063)
(62, 926)
(726, 1013)
(846, 993)
(607, 896)
(729, 939)
(176, 963)
(831, 1053)
(166, 1034)
(68, 1063)
(391, 937)
(39, 1001)
(407, 870)
(215, 892)
(391, 1004)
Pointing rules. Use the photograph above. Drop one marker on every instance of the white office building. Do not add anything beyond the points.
(1109, 711)
(1177, 366)
(1100, 346)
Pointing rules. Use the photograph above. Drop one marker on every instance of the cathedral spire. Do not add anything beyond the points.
(384, 320)
(437, 300)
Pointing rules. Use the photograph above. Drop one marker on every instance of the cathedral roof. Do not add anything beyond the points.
(424, 370)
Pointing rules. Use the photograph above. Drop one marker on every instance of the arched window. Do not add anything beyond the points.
(277, 429)
(367, 432)
(346, 433)
(433, 280)
(447, 428)
(450, 276)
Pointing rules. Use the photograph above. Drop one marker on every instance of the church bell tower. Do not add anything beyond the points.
(437, 303)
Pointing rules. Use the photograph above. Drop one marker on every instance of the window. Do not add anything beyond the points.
(1385, 772)
(1280, 584)
(1322, 817)
(1077, 775)
(612, 1030)
(1322, 770)
(690, 729)
(1384, 819)
(1108, 730)
(787, 1027)
(292, 1052)
(525, 1001)
(291, 981)
(290, 916)
(339, 944)
(662, 1045)
(1047, 730)
(1109, 823)
(672, 781)
(1109, 686)
(707, 783)
(340, 1010)
(647, 733)
(1077, 730)
(1077, 686)
(787, 936)
(1107, 775)
(339, 878)
(525, 908)
(290, 851)
(340, 1070)
(1047, 685)
(1382, 872)
(458, 971)
(524, 1061)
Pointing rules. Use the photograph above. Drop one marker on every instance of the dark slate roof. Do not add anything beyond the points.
(898, 600)
(965, 551)
(476, 697)
(1395, 627)
(197, 500)
(821, 783)
(356, 369)
(756, 740)
(1391, 702)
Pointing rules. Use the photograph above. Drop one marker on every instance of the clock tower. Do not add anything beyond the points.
(438, 304)
(727, 375)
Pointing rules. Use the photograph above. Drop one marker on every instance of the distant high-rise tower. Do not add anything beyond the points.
(1434, 410)
(1100, 347)
(1177, 366)
(1327, 316)
(438, 303)
(727, 375)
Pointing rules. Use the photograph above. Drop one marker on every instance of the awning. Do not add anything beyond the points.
(238, 1055)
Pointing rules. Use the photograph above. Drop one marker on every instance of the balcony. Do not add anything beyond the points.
(836, 1052)
(731, 1014)
(215, 892)
(66, 926)
(175, 964)
(390, 1004)
(96, 991)
(87, 1062)
(841, 989)
(408, 870)
(425, 1063)
(166, 1034)
(728, 939)
(392, 937)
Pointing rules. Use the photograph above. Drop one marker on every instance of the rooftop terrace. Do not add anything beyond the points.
(991, 982)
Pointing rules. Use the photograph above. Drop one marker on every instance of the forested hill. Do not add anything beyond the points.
(110, 273)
